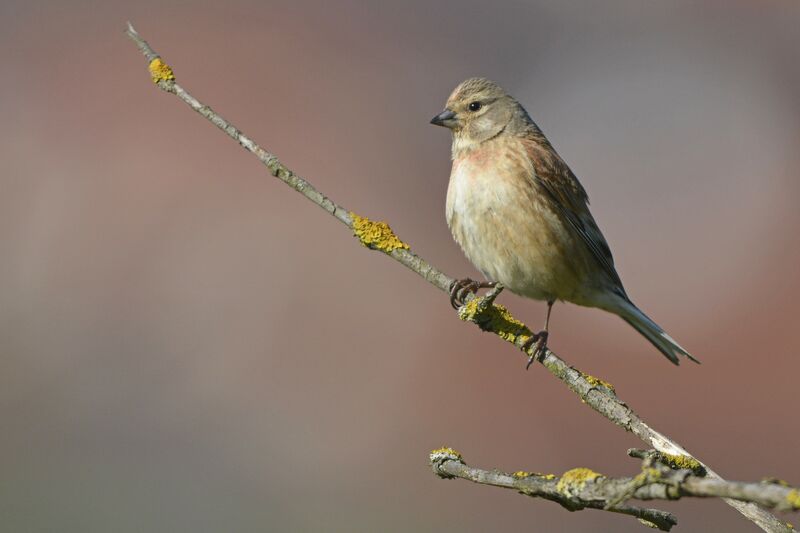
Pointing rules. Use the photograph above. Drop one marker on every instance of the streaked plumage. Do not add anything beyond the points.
(520, 214)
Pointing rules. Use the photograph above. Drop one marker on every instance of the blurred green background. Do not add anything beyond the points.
(190, 346)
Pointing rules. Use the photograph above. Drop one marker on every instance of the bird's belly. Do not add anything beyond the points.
(512, 235)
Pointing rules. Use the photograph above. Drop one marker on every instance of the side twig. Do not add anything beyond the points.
(575, 490)
(582, 488)
(493, 318)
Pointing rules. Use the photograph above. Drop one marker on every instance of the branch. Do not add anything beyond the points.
(575, 490)
(581, 488)
(482, 311)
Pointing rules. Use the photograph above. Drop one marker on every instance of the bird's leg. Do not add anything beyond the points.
(538, 341)
(462, 287)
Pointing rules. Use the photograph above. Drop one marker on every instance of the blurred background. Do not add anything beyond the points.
(186, 344)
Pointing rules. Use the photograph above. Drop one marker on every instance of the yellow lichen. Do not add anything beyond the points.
(595, 382)
(495, 318)
(790, 525)
(160, 71)
(648, 523)
(794, 498)
(376, 235)
(646, 476)
(469, 310)
(522, 473)
(573, 481)
(683, 462)
(445, 453)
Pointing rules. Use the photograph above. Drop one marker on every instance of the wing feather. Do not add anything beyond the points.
(556, 179)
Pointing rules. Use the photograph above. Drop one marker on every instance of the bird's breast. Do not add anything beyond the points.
(505, 225)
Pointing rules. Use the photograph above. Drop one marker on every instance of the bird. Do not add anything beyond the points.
(522, 217)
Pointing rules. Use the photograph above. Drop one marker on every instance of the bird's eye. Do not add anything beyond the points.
(474, 106)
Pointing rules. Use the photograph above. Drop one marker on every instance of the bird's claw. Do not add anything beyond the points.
(461, 288)
(537, 344)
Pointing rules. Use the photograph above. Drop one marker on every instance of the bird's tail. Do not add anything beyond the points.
(652, 332)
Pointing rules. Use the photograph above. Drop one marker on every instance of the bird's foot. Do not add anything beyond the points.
(461, 288)
(537, 344)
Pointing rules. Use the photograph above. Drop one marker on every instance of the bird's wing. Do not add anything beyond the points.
(553, 175)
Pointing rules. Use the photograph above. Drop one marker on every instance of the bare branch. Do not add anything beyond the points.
(575, 490)
(490, 317)
(581, 488)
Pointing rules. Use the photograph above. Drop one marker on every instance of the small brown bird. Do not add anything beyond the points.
(522, 217)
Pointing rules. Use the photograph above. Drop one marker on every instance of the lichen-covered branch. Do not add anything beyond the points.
(596, 393)
(575, 490)
(582, 488)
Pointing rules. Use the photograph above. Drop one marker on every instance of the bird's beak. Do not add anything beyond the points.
(446, 119)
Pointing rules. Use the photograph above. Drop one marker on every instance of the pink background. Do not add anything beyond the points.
(188, 345)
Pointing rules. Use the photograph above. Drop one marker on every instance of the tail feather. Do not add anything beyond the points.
(653, 333)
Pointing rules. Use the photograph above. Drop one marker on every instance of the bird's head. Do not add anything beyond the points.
(479, 110)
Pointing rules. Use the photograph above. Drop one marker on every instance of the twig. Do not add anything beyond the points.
(494, 318)
(581, 488)
(576, 490)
